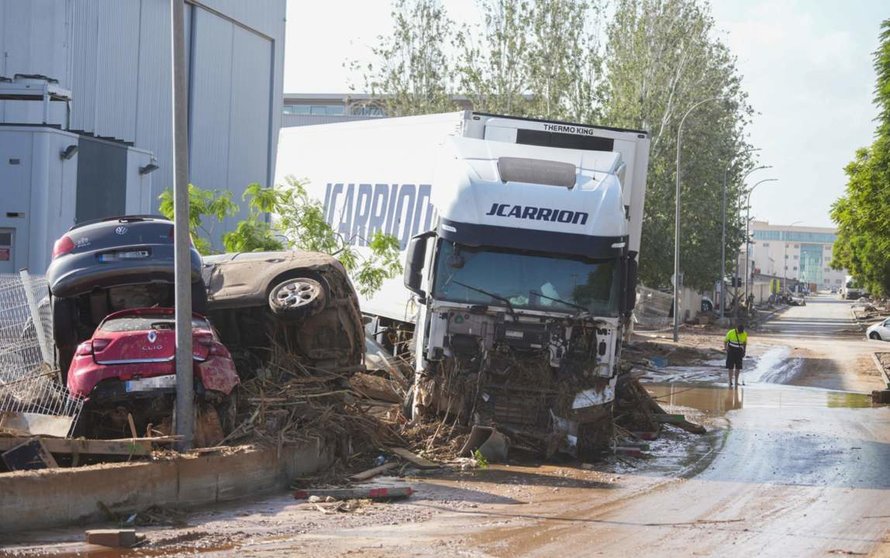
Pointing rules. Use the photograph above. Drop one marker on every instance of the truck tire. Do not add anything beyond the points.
(297, 298)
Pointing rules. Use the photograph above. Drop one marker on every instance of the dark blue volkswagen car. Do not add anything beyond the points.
(103, 266)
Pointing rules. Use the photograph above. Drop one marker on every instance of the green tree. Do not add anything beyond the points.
(863, 212)
(662, 58)
(299, 224)
(413, 71)
(207, 209)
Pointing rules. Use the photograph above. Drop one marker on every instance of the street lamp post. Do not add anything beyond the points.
(723, 237)
(785, 257)
(677, 220)
(747, 223)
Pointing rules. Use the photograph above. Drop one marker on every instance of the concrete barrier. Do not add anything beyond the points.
(55, 497)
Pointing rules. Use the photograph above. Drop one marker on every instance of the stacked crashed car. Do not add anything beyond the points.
(128, 367)
(301, 302)
(101, 267)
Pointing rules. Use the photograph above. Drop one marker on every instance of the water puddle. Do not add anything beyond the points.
(718, 400)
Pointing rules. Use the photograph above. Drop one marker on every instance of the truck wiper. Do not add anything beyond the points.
(566, 302)
(492, 295)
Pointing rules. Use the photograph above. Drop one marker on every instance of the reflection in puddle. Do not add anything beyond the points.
(719, 400)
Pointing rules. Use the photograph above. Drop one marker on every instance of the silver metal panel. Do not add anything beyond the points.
(210, 101)
(32, 38)
(117, 68)
(84, 61)
(291, 120)
(153, 114)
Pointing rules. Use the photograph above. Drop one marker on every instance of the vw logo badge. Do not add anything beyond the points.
(121, 230)
(152, 336)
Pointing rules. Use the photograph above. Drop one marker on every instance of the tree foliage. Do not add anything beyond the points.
(414, 73)
(547, 59)
(863, 212)
(298, 224)
(661, 59)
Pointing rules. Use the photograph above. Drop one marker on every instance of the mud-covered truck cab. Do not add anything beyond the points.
(520, 261)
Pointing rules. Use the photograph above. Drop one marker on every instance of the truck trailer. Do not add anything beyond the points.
(520, 241)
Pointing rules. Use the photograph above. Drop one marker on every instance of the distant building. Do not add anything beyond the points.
(305, 109)
(794, 252)
(113, 59)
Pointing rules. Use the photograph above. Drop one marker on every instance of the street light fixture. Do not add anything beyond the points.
(723, 237)
(677, 219)
(747, 223)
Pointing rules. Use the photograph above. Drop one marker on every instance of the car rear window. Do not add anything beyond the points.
(145, 322)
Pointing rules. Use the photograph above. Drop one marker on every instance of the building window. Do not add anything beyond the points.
(838, 281)
(827, 281)
(766, 243)
(786, 256)
(795, 257)
(794, 268)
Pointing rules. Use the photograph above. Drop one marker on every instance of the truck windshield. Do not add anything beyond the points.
(528, 280)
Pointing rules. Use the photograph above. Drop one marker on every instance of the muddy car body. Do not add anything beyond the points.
(128, 366)
(303, 301)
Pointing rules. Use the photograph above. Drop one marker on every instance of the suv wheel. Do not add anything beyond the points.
(297, 298)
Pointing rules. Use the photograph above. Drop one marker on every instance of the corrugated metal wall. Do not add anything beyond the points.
(115, 57)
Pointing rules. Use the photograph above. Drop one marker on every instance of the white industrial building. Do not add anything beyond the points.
(108, 65)
(796, 253)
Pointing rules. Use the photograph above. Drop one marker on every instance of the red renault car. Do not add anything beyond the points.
(129, 364)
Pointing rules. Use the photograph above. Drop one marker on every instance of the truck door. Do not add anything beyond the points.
(7, 251)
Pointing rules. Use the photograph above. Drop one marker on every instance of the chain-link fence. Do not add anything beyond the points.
(30, 383)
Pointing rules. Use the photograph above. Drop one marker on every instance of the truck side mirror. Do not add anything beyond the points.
(630, 284)
(414, 260)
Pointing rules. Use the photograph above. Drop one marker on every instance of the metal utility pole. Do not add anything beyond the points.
(677, 221)
(723, 247)
(185, 388)
(747, 222)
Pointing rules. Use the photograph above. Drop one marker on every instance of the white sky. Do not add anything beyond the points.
(807, 67)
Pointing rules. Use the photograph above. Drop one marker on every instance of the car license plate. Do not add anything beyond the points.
(149, 384)
(128, 255)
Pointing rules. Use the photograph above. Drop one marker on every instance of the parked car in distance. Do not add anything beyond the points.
(797, 299)
(100, 267)
(879, 331)
(129, 363)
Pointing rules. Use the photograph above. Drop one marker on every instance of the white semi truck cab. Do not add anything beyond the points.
(521, 282)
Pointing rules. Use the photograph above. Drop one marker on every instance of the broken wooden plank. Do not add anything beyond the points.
(414, 458)
(373, 472)
(114, 538)
(28, 455)
(374, 387)
(370, 493)
(81, 446)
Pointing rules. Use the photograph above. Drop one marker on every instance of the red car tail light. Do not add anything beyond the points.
(99, 344)
(84, 349)
(63, 246)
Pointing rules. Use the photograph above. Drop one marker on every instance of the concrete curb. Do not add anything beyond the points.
(56, 497)
(881, 370)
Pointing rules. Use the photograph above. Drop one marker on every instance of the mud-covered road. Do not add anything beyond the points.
(797, 463)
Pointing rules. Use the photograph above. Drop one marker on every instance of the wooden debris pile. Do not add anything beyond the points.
(290, 400)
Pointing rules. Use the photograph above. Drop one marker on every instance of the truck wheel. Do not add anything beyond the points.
(408, 404)
(297, 298)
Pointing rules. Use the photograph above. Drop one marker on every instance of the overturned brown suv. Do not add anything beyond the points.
(303, 301)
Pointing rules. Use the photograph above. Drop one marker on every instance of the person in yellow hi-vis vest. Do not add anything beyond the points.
(734, 344)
